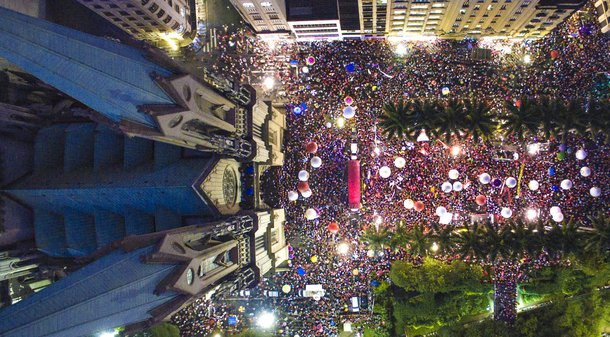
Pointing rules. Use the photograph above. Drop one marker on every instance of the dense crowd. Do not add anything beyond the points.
(371, 74)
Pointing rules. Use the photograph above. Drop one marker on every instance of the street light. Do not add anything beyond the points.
(531, 214)
(343, 248)
(455, 150)
(434, 247)
(340, 122)
(269, 83)
(107, 334)
(266, 320)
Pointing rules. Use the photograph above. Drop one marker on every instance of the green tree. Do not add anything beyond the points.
(451, 121)
(597, 239)
(395, 122)
(570, 118)
(480, 120)
(469, 242)
(519, 120)
(377, 239)
(164, 330)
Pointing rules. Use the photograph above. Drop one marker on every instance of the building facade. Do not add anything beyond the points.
(265, 17)
(603, 11)
(161, 22)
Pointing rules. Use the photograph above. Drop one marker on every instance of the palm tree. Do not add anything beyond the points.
(547, 110)
(424, 114)
(394, 122)
(376, 239)
(468, 241)
(418, 241)
(451, 121)
(598, 119)
(597, 239)
(520, 121)
(570, 118)
(494, 244)
(400, 237)
(480, 120)
(515, 235)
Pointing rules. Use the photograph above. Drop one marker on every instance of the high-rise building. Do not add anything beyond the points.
(265, 17)
(603, 11)
(462, 18)
(158, 21)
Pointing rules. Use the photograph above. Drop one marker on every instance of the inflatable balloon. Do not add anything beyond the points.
(333, 227)
(446, 218)
(355, 272)
(554, 188)
(316, 162)
(566, 184)
(480, 200)
(286, 288)
(306, 194)
(314, 259)
(409, 204)
(310, 60)
(551, 171)
(303, 175)
(301, 271)
(558, 217)
(297, 111)
(385, 172)
(554, 54)
(585, 171)
(302, 186)
(370, 253)
(400, 162)
(445, 91)
(506, 212)
(595, 191)
(350, 68)
(446, 187)
(311, 214)
(440, 210)
(457, 186)
(293, 196)
(348, 100)
(533, 185)
(496, 182)
(454, 174)
(555, 210)
(305, 70)
(419, 206)
(484, 178)
(349, 112)
(561, 155)
(311, 147)
(581, 154)
(511, 182)
(562, 147)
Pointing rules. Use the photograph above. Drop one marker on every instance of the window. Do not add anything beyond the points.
(123, 13)
(113, 6)
(108, 14)
(153, 8)
(248, 5)
(145, 2)
(477, 7)
(170, 3)
(98, 6)
(175, 26)
(167, 19)
(160, 14)
(266, 4)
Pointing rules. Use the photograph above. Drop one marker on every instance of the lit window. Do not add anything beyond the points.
(264, 4)
(248, 5)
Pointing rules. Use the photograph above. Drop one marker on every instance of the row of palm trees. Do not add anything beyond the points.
(461, 118)
(491, 243)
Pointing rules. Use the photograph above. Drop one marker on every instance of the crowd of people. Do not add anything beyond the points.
(317, 77)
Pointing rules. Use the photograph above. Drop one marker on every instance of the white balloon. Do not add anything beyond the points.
(484, 178)
(303, 175)
(440, 210)
(446, 187)
(457, 186)
(533, 185)
(585, 171)
(400, 162)
(555, 210)
(305, 69)
(293, 195)
(453, 174)
(385, 172)
(306, 194)
(558, 217)
(511, 182)
(311, 214)
(506, 212)
(566, 184)
(446, 218)
(595, 191)
(349, 112)
(328, 125)
(316, 162)
(370, 253)
(409, 204)
(581, 154)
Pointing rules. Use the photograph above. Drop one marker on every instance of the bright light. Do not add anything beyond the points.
(343, 248)
(378, 220)
(423, 137)
(533, 149)
(265, 320)
(377, 150)
(531, 214)
(107, 334)
(527, 59)
(340, 122)
(269, 83)
(401, 50)
(434, 247)
(217, 335)
(455, 150)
